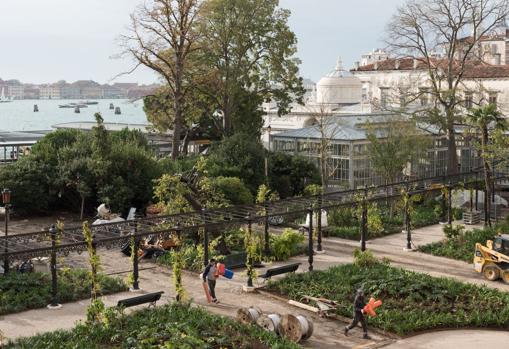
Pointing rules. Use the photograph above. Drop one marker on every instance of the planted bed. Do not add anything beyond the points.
(170, 326)
(412, 302)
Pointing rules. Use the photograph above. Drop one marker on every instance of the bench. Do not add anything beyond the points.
(289, 268)
(151, 298)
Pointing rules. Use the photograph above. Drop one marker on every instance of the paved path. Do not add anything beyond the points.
(327, 332)
(464, 339)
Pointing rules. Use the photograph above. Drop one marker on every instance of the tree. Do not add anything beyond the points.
(421, 29)
(394, 142)
(485, 122)
(251, 49)
(238, 156)
(162, 36)
(328, 127)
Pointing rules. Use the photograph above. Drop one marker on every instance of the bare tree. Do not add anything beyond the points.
(161, 36)
(328, 126)
(436, 34)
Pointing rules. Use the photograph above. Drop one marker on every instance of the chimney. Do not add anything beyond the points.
(416, 62)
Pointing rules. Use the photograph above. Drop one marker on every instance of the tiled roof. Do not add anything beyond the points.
(472, 71)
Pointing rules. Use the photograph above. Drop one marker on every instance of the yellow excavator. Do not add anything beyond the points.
(492, 260)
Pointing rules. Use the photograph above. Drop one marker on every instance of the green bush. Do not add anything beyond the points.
(350, 233)
(461, 246)
(19, 292)
(233, 190)
(342, 217)
(412, 302)
(288, 244)
(170, 326)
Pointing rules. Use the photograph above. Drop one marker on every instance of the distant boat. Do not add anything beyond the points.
(112, 106)
(117, 111)
(3, 98)
(73, 105)
(89, 102)
(77, 110)
(36, 108)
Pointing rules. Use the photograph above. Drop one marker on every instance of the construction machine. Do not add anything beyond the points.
(492, 260)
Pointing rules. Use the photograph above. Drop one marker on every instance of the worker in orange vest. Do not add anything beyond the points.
(358, 314)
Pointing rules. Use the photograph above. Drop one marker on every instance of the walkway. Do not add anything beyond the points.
(327, 332)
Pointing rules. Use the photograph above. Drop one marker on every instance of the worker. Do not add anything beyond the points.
(358, 314)
(210, 276)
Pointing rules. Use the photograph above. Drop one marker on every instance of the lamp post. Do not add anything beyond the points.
(6, 199)
(267, 158)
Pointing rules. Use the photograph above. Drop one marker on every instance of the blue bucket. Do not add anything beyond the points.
(228, 274)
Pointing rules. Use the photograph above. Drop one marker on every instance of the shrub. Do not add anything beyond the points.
(364, 259)
(350, 233)
(453, 231)
(233, 190)
(286, 245)
(342, 217)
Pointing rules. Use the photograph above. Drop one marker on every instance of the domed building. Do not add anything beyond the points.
(339, 87)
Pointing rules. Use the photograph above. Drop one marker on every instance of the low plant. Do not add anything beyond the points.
(453, 231)
(461, 245)
(288, 244)
(19, 292)
(173, 325)
(412, 302)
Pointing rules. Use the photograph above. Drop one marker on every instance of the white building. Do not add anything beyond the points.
(338, 92)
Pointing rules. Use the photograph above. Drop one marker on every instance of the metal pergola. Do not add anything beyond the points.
(51, 242)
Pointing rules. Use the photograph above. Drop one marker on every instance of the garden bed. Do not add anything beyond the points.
(412, 302)
(169, 326)
(19, 292)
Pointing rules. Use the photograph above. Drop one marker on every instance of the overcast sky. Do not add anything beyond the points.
(48, 40)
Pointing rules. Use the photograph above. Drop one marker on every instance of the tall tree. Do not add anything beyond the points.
(162, 36)
(423, 29)
(251, 49)
(485, 122)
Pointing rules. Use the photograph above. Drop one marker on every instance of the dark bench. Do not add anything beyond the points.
(237, 260)
(289, 268)
(151, 298)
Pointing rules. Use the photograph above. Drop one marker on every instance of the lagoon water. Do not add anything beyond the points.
(19, 115)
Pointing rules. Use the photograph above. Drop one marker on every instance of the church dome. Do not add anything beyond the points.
(339, 87)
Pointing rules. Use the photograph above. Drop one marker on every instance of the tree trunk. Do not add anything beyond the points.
(487, 178)
(452, 156)
(82, 212)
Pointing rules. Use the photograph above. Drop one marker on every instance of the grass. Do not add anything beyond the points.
(172, 326)
(412, 302)
(19, 292)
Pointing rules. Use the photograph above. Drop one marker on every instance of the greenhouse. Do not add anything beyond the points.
(348, 160)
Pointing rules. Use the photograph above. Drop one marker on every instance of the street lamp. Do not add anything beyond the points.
(6, 199)
(267, 158)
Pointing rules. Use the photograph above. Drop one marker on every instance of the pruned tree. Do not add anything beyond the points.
(328, 126)
(436, 34)
(162, 35)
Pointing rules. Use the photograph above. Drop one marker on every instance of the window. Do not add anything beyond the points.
(424, 96)
(469, 100)
(341, 150)
(492, 98)
(384, 96)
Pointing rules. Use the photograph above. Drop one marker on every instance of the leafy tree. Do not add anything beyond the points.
(238, 156)
(289, 174)
(486, 123)
(251, 51)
